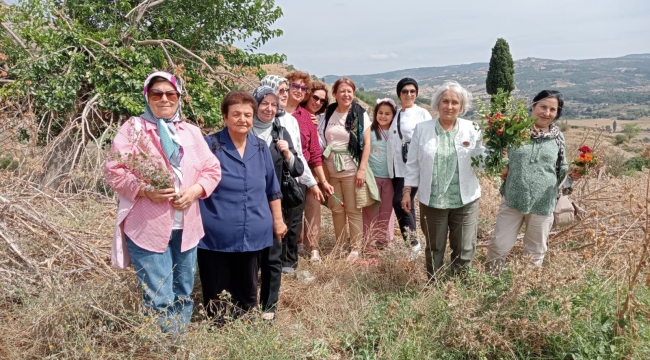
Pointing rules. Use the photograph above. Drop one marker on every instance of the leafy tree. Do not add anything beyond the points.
(631, 130)
(501, 74)
(78, 65)
(608, 128)
(619, 139)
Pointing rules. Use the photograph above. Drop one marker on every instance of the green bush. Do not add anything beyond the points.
(614, 162)
(620, 138)
(637, 163)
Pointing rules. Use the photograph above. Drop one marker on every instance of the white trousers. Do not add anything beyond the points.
(507, 228)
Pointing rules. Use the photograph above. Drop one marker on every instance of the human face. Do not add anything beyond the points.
(283, 94)
(239, 119)
(385, 116)
(297, 94)
(449, 106)
(407, 96)
(267, 108)
(163, 108)
(545, 112)
(344, 95)
(316, 101)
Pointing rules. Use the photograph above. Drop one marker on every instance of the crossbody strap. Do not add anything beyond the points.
(383, 134)
(399, 130)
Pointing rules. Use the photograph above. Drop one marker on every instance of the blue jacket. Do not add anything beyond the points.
(236, 216)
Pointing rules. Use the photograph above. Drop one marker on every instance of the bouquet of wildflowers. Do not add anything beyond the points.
(505, 123)
(148, 171)
(587, 160)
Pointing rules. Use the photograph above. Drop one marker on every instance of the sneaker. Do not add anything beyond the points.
(315, 257)
(354, 256)
(301, 250)
(288, 270)
(268, 316)
(415, 250)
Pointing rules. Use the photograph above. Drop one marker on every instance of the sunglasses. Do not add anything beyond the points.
(318, 100)
(283, 91)
(157, 95)
(299, 87)
(409, 91)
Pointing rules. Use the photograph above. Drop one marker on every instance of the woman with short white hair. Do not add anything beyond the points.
(449, 200)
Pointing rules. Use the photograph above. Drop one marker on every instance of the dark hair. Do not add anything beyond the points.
(544, 94)
(341, 81)
(235, 98)
(375, 125)
(316, 86)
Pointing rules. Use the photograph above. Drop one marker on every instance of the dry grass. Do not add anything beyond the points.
(59, 299)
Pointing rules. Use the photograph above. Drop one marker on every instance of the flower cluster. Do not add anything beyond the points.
(338, 200)
(505, 123)
(146, 171)
(587, 161)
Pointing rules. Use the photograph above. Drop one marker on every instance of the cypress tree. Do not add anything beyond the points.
(614, 125)
(501, 73)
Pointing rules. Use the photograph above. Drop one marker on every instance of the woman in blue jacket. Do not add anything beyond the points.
(243, 213)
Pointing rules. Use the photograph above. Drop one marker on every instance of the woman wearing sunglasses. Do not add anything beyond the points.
(315, 103)
(399, 138)
(299, 83)
(160, 229)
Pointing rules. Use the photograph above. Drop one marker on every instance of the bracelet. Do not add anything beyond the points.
(322, 182)
(406, 190)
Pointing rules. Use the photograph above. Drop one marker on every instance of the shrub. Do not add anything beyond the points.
(620, 138)
(614, 162)
(564, 126)
(637, 163)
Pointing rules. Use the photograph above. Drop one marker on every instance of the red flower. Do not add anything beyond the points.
(584, 149)
(342, 204)
(500, 131)
(498, 116)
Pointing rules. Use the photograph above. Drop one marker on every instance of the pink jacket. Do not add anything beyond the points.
(148, 224)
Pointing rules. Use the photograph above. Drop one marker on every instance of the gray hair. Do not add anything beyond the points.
(464, 96)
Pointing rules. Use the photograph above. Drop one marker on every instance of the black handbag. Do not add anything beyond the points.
(405, 144)
(292, 193)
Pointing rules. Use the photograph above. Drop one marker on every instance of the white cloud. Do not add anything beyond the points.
(383, 56)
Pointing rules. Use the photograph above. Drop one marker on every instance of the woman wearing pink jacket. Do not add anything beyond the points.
(158, 229)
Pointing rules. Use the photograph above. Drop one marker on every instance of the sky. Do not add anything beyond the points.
(355, 37)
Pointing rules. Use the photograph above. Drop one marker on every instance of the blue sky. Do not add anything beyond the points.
(345, 37)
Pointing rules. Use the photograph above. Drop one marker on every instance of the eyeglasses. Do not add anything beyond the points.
(409, 91)
(156, 95)
(282, 91)
(299, 87)
(318, 100)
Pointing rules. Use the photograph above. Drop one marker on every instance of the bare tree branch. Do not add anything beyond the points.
(14, 36)
(110, 53)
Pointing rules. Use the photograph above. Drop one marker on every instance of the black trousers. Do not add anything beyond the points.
(271, 266)
(406, 221)
(293, 219)
(235, 273)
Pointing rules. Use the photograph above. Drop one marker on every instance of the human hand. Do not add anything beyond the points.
(283, 147)
(187, 196)
(159, 196)
(360, 178)
(576, 174)
(329, 189)
(406, 202)
(316, 193)
(314, 119)
(504, 173)
(279, 229)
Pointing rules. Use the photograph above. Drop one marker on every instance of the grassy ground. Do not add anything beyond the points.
(59, 301)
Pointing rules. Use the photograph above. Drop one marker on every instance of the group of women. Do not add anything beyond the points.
(226, 210)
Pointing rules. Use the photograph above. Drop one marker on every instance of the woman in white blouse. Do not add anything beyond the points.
(440, 165)
(399, 137)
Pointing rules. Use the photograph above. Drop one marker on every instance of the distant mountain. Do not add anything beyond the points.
(609, 80)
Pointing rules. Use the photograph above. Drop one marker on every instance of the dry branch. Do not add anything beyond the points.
(110, 53)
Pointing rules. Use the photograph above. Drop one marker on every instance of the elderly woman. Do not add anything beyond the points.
(299, 83)
(346, 156)
(530, 188)
(267, 127)
(161, 228)
(399, 137)
(440, 165)
(243, 213)
(315, 103)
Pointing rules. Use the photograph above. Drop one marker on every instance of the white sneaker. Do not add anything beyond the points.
(315, 257)
(415, 250)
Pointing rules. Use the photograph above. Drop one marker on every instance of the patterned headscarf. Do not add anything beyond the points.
(169, 139)
(273, 81)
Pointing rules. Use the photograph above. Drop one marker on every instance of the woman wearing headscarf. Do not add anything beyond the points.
(242, 215)
(160, 229)
(530, 187)
(346, 157)
(266, 126)
(399, 138)
(440, 166)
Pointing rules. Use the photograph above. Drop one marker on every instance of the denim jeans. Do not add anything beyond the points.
(167, 280)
